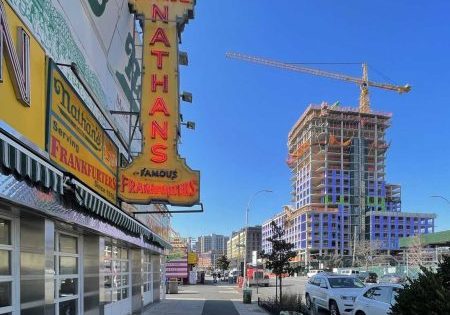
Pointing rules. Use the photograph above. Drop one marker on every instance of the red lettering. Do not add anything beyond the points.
(157, 12)
(159, 57)
(159, 107)
(164, 83)
(55, 146)
(160, 37)
(63, 155)
(161, 131)
(160, 156)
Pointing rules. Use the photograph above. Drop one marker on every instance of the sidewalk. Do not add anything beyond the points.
(197, 307)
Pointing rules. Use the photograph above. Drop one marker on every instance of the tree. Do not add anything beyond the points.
(365, 250)
(278, 260)
(331, 261)
(223, 263)
(428, 294)
(415, 253)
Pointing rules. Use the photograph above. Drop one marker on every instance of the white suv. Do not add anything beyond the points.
(335, 293)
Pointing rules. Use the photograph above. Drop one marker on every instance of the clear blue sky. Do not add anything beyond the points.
(245, 111)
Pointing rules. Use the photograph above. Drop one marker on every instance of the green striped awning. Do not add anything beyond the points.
(27, 165)
(104, 209)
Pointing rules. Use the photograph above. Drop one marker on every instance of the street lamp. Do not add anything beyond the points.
(442, 197)
(246, 235)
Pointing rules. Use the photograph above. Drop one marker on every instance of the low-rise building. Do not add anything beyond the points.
(244, 242)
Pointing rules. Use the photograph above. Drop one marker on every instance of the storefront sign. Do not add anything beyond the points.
(22, 78)
(159, 174)
(192, 258)
(76, 141)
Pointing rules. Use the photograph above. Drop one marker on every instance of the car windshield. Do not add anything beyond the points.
(345, 282)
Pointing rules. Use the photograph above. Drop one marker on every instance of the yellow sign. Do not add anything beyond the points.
(22, 78)
(159, 174)
(192, 258)
(77, 142)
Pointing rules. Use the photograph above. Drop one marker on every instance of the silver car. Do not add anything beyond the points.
(335, 293)
(377, 299)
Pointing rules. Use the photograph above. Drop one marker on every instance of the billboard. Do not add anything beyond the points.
(177, 263)
(76, 141)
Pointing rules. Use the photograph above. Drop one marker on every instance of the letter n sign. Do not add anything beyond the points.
(17, 60)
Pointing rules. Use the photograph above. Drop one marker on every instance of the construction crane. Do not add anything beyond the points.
(364, 83)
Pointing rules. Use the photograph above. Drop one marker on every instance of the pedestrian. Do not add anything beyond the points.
(219, 276)
(214, 277)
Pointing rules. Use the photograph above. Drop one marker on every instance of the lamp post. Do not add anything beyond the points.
(246, 236)
(442, 197)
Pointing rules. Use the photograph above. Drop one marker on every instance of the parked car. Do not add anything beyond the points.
(349, 272)
(312, 273)
(392, 278)
(377, 299)
(332, 292)
(368, 277)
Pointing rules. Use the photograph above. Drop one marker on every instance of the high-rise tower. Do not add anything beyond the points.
(339, 190)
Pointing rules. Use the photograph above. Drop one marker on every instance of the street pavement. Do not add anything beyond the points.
(222, 299)
(208, 299)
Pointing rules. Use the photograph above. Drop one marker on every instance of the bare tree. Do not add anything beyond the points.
(365, 251)
(416, 255)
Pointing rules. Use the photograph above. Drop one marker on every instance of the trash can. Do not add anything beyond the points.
(173, 286)
(247, 296)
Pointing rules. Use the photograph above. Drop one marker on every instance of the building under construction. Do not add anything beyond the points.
(339, 190)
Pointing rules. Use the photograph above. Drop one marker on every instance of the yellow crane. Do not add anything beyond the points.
(363, 82)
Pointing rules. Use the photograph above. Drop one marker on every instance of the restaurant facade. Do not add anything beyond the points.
(71, 128)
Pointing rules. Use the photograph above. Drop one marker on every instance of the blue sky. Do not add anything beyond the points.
(244, 111)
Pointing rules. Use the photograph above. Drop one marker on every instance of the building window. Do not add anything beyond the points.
(67, 274)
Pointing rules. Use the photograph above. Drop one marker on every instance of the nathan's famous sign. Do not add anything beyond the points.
(159, 174)
(76, 141)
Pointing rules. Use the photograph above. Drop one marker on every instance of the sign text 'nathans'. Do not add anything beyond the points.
(76, 140)
(159, 174)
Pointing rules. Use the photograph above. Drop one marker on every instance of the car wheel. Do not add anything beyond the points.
(308, 302)
(360, 313)
(334, 310)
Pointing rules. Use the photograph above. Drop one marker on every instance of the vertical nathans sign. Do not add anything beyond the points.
(159, 174)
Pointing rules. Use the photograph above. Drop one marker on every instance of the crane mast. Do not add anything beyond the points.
(364, 83)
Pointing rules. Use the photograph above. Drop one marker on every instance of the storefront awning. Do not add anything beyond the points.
(27, 165)
(104, 209)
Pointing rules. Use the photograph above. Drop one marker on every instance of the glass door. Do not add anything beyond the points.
(67, 274)
(8, 269)
(147, 278)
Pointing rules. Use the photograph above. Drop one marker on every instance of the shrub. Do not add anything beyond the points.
(291, 302)
(428, 294)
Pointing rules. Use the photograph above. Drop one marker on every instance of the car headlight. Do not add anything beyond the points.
(348, 298)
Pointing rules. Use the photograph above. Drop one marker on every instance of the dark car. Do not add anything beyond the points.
(392, 278)
(368, 277)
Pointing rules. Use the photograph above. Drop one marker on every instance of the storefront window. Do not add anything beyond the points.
(5, 294)
(5, 262)
(5, 234)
